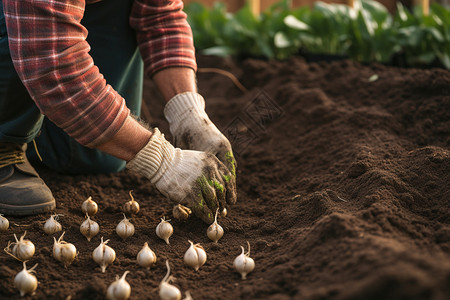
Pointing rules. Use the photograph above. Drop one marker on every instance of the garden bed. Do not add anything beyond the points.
(343, 192)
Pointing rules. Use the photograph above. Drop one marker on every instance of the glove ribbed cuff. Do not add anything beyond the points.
(183, 105)
(154, 159)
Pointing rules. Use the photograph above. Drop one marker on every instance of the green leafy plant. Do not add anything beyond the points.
(367, 32)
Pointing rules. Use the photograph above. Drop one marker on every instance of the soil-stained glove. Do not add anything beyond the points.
(193, 178)
(192, 129)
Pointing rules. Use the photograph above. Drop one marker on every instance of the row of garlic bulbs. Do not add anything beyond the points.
(104, 255)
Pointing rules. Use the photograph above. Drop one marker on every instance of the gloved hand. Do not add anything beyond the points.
(193, 178)
(192, 129)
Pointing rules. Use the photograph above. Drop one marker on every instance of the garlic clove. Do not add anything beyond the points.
(215, 231)
(181, 212)
(4, 223)
(224, 213)
(244, 264)
(168, 291)
(146, 257)
(25, 281)
(164, 230)
(125, 228)
(104, 255)
(131, 207)
(22, 249)
(63, 251)
(119, 289)
(195, 256)
(188, 296)
(89, 228)
(89, 207)
(52, 226)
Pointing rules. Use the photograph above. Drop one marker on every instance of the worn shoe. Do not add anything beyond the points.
(22, 191)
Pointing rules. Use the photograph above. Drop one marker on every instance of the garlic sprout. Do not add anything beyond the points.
(89, 207)
(131, 207)
(63, 251)
(146, 257)
(25, 281)
(215, 231)
(89, 228)
(104, 255)
(164, 230)
(244, 264)
(195, 256)
(168, 291)
(181, 212)
(22, 250)
(4, 223)
(52, 226)
(119, 289)
(125, 228)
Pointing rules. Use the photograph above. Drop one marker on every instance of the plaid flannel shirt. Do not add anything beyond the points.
(50, 53)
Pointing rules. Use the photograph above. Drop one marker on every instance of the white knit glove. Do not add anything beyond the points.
(194, 178)
(192, 129)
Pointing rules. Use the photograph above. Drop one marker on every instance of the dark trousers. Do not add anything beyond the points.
(115, 53)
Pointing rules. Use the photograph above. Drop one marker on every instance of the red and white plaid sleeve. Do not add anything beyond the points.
(50, 53)
(164, 35)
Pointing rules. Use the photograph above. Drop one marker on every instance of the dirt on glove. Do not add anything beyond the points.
(343, 192)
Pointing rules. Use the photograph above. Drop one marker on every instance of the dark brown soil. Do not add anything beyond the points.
(343, 192)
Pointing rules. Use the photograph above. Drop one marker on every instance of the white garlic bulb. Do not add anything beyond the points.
(89, 228)
(215, 231)
(195, 256)
(22, 250)
(52, 226)
(25, 281)
(89, 207)
(181, 212)
(131, 207)
(224, 212)
(164, 230)
(188, 296)
(146, 257)
(104, 255)
(119, 289)
(63, 251)
(4, 223)
(125, 228)
(168, 291)
(244, 264)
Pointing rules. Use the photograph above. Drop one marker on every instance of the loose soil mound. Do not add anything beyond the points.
(343, 192)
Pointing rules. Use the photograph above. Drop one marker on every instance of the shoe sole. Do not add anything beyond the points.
(27, 210)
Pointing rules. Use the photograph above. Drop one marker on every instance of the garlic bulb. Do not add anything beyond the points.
(89, 228)
(4, 223)
(25, 281)
(89, 207)
(244, 264)
(119, 289)
(52, 226)
(63, 251)
(125, 228)
(215, 231)
(224, 212)
(104, 255)
(188, 296)
(131, 207)
(146, 257)
(164, 230)
(166, 290)
(22, 250)
(195, 256)
(181, 212)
